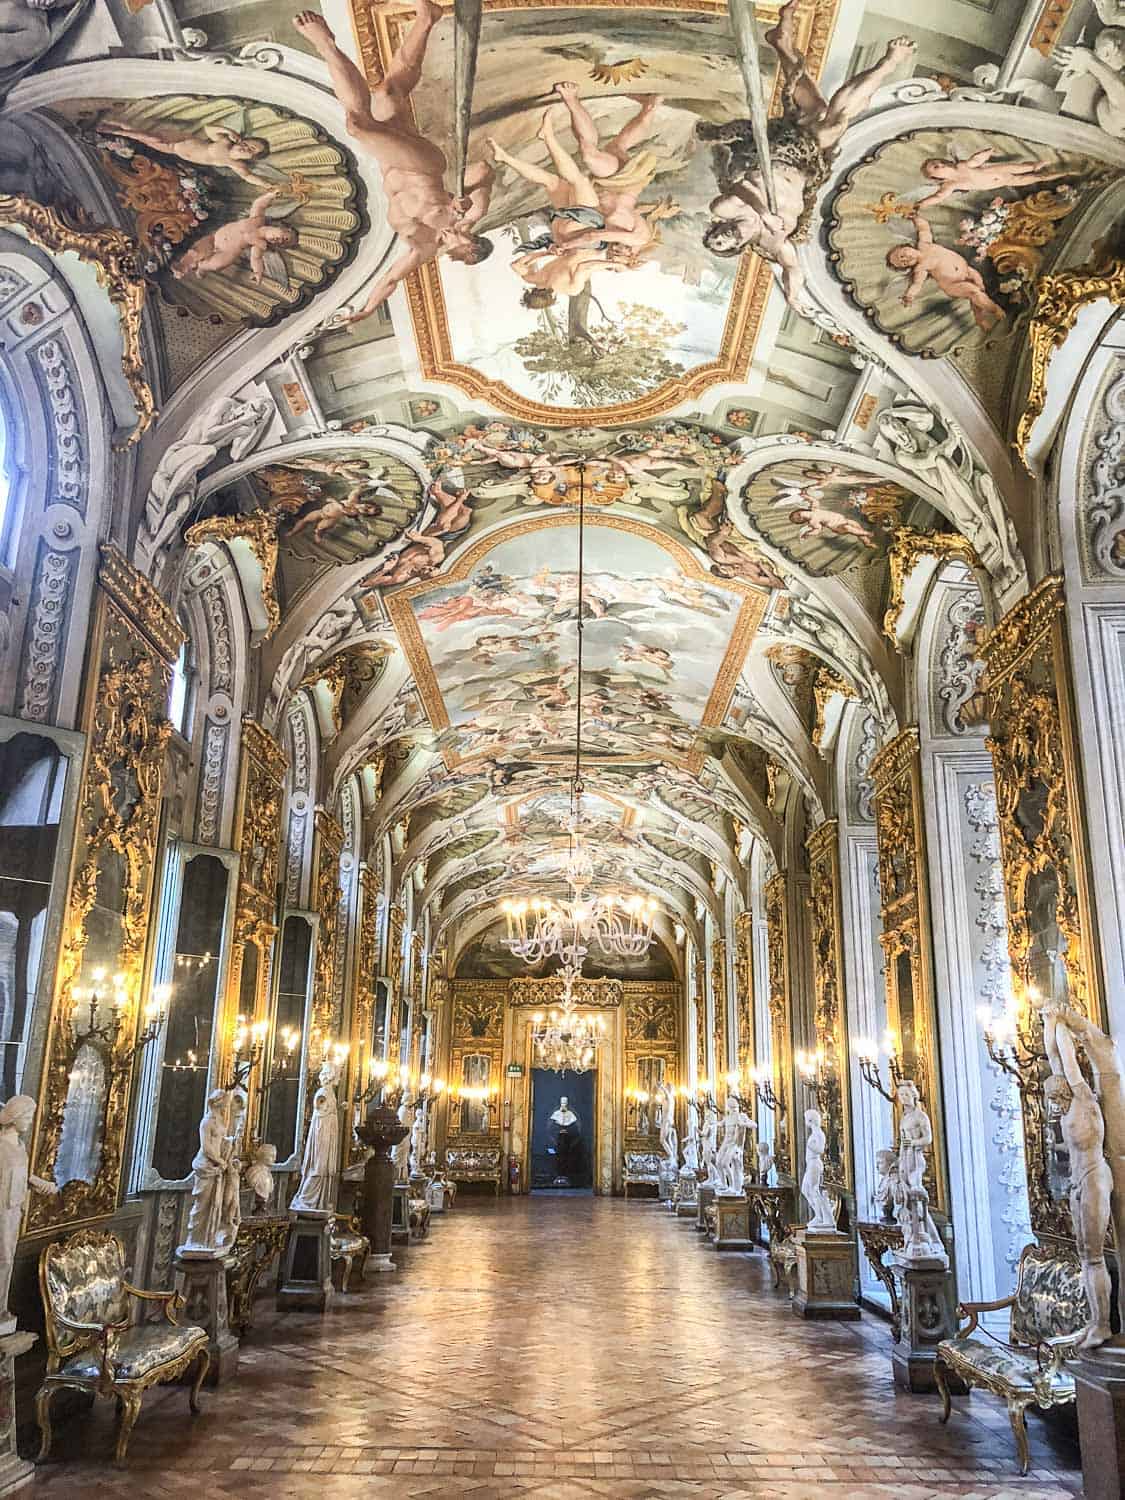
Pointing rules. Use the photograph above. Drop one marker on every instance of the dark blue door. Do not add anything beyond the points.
(562, 1160)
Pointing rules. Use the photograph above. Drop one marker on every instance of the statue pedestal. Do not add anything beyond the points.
(435, 1195)
(15, 1471)
(305, 1283)
(202, 1282)
(687, 1196)
(826, 1272)
(666, 1182)
(381, 1131)
(1099, 1378)
(703, 1200)
(400, 1214)
(927, 1314)
(732, 1223)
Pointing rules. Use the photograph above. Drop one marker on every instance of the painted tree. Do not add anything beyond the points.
(614, 361)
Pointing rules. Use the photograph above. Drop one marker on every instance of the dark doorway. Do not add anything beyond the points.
(562, 1157)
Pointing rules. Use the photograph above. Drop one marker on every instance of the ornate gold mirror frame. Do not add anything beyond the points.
(1038, 796)
(906, 937)
(134, 642)
(719, 997)
(830, 1016)
(781, 1047)
(328, 845)
(396, 924)
(744, 991)
(362, 1027)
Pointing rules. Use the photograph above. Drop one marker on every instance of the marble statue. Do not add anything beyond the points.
(316, 1192)
(669, 1139)
(209, 1232)
(887, 1191)
(15, 1179)
(401, 1153)
(226, 423)
(419, 1134)
(765, 1162)
(812, 1183)
(259, 1174)
(691, 1142)
(232, 1149)
(730, 1159)
(921, 1240)
(710, 1144)
(566, 1142)
(969, 494)
(1084, 1117)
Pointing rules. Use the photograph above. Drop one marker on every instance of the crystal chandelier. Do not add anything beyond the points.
(543, 928)
(565, 1040)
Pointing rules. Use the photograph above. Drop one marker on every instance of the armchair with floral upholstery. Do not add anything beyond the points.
(92, 1344)
(1048, 1317)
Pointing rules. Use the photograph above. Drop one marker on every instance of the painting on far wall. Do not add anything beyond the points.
(590, 133)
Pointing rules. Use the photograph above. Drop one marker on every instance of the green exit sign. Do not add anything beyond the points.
(515, 1070)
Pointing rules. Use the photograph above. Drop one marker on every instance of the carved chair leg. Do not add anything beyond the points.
(200, 1376)
(43, 1417)
(942, 1383)
(347, 1276)
(1017, 1415)
(130, 1411)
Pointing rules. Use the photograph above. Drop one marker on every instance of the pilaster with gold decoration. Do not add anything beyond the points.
(781, 1030)
(830, 1012)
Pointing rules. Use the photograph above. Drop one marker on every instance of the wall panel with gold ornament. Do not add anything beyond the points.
(1051, 933)
(830, 1014)
(363, 1014)
(906, 936)
(745, 1051)
(328, 842)
(396, 1004)
(719, 994)
(652, 1056)
(476, 1061)
(84, 1095)
(781, 1031)
(699, 975)
(257, 837)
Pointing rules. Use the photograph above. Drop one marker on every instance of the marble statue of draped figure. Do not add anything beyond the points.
(316, 1192)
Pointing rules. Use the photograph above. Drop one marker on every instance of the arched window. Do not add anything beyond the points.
(181, 689)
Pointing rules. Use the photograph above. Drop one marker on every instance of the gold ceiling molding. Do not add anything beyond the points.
(907, 549)
(539, 992)
(259, 532)
(754, 604)
(115, 258)
(379, 33)
(826, 685)
(1059, 299)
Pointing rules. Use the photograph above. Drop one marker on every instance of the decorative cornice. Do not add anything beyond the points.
(138, 600)
(329, 832)
(825, 685)
(259, 743)
(907, 549)
(1021, 630)
(822, 839)
(600, 992)
(259, 532)
(895, 758)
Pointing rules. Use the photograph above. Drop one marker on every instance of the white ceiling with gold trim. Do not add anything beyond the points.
(760, 283)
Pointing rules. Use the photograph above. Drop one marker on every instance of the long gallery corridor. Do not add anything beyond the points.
(562, 1347)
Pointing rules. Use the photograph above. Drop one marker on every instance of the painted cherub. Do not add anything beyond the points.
(329, 510)
(551, 274)
(817, 520)
(950, 271)
(224, 247)
(980, 173)
(220, 146)
(420, 560)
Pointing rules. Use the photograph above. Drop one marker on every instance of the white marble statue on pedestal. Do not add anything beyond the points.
(1092, 1122)
(823, 1218)
(232, 1150)
(765, 1162)
(210, 1233)
(401, 1153)
(419, 1136)
(669, 1140)
(15, 1121)
(921, 1240)
(316, 1191)
(259, 1175)
(691, 1143)
(710, 1144)
(730, 1164)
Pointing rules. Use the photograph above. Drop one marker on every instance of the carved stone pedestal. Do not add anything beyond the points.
(400, 1214)
(15, 1471)
(666, 1182)
(1100, 1381)
(732, 1223)
(825, 1275)
(927, 1314)
(687, 1198)
(202, 1282)
(435, 1195)
(381, 1130)
(703, 1199)
(305, 1283)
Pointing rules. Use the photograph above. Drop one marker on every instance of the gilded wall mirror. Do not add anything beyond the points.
(283, 1103)
(476, 1069)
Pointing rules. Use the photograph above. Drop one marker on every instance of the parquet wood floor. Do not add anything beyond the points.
(561, 1348)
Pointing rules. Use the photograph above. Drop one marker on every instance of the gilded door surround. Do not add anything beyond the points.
(906, 936)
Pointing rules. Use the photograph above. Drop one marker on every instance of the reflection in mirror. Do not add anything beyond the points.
(1056, 1158)
(904, 996)
(248, 982)
(475, 1070)
(650, 1075)
(282, 1104)
(1045, 957)
(32, 782)
(191, 1015)
(80, 1143)
(379, 1018)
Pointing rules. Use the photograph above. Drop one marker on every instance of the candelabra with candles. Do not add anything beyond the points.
(286, 1047)
(763, 1088)
(816, 1077)
(1014, 1042)
(636, 1101)
(868, 1054)
(487, 1097)
(106, 1034)
(247, 1050)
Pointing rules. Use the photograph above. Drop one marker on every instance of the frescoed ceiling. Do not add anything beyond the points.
(401, 319)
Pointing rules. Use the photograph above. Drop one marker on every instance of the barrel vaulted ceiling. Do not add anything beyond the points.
(403, 314)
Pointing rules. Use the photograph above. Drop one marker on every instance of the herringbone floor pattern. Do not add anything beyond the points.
(561, 1349)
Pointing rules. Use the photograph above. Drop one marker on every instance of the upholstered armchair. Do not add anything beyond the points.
(92, 1344)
